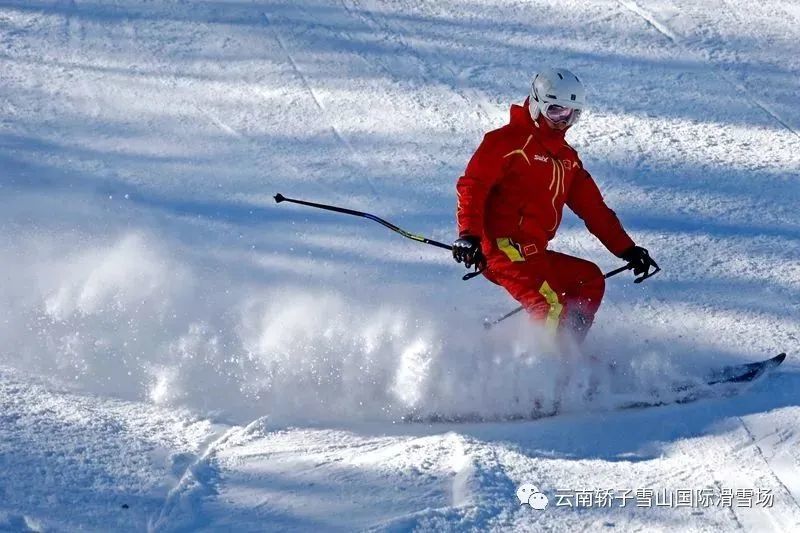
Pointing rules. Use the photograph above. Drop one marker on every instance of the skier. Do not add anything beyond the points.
(510, 202)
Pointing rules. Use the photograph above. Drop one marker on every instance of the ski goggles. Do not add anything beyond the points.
(558, 114)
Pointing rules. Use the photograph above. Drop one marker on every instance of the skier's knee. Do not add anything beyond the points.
(593, 286)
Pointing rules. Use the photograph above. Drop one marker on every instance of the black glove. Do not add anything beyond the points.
(467, 250)
(639, 258)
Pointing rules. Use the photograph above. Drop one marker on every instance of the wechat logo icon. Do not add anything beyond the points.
(529, 494)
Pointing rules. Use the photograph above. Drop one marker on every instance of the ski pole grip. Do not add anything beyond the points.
(647, 276)
(470, 275)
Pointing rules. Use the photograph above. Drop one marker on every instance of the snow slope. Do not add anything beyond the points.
(175, 342)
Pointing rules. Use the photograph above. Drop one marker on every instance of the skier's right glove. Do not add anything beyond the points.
(467, 250)
(639, 259)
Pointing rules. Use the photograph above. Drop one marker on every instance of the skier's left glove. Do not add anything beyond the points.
(639, 259)
(467, 250)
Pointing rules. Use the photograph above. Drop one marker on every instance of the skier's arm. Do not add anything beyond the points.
(585, 200)
(483, 171)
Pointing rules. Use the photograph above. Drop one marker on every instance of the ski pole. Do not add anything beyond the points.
(419, 238)
(488, 324)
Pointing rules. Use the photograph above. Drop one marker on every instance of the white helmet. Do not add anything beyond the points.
(557, 88)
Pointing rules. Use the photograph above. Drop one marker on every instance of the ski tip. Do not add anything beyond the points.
(780, 357)
(279, 198)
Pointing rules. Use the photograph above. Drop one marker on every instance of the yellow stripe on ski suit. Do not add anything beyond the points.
(508, 247)
(554, 313)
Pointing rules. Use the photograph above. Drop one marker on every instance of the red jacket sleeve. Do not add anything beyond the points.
(483, 171)
(585, 200)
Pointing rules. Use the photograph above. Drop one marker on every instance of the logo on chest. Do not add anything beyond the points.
(563, 164)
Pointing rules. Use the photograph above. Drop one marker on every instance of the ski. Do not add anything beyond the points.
(731, 376)
(746, 372)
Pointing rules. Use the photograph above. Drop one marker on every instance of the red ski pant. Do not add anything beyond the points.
(562, 291)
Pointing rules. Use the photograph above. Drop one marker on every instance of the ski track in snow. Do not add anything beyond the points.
(304, 79)
(791, 493)
(236, 366)
(743, 89)
(72, 461)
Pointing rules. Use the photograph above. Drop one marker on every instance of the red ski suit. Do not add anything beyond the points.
(512, 195)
